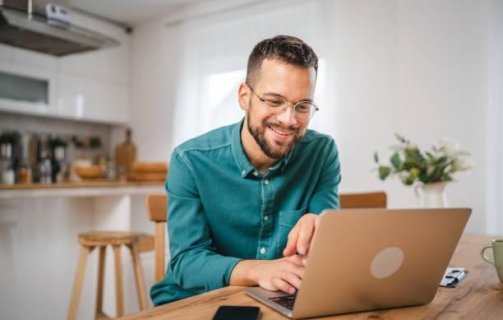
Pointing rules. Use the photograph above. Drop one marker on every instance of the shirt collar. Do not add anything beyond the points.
(244, 165)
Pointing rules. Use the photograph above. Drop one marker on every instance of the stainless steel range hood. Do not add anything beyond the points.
(33, 32)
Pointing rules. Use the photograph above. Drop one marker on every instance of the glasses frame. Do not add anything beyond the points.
(286, 104)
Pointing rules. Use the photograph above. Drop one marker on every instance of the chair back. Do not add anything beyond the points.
(157, 212)
(363, 200)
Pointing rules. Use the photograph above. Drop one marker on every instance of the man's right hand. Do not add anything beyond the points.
(283, 274)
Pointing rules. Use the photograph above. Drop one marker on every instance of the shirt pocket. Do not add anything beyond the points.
(287, 220)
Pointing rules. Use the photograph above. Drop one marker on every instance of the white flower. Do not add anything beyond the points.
(462, 163)
(449, 146)
(396, 147)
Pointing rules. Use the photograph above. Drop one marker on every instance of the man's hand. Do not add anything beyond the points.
(299, 238)
(283, 274)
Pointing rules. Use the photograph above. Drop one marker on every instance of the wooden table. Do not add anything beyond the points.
(480, 296)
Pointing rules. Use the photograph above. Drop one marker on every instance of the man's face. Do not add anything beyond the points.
(274, 130)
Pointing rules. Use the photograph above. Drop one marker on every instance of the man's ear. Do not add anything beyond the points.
(244, 96)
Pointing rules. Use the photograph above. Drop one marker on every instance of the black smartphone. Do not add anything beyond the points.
(237, 313)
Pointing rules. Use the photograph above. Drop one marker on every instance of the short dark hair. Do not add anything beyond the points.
(287, 49)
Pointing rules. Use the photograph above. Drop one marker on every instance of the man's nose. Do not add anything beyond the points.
(287, 114)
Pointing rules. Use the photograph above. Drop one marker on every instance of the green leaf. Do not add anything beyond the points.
(401, 139)
(396, 161)
(384, 172)
(376, 157)
(409, 180)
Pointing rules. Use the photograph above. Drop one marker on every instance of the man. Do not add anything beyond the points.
(244, 199)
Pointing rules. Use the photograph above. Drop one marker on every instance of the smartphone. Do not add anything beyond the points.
(237, 312)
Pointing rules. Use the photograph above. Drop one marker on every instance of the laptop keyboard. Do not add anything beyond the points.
(285, 301)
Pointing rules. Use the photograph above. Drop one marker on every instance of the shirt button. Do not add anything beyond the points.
(255, 173)
(266, 218)
(262, 250)
(266, 182)
(243, 173)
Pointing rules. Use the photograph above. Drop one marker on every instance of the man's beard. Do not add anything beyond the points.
(258, 134)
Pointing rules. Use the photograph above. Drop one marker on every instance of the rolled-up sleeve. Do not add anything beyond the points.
(195, 264)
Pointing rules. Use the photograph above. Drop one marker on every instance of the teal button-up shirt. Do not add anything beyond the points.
(222, 210)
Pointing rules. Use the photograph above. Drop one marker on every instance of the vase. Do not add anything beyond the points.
(432, 195)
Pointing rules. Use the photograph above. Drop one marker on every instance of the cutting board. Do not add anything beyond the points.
(144, 177)
(150, 167)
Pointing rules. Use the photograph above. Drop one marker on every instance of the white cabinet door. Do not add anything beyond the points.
(6, 53)
(110, 64)
(35, 108)
(90, 99)
(28, 58)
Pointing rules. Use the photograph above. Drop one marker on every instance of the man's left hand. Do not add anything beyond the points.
(299, 238)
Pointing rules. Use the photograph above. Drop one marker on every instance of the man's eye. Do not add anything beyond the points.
(303, 107)
(274, 103)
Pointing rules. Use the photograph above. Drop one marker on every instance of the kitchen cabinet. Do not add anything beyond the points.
(44, 75)
(38, 236)
(92, 99)
(29, 58)
(6, 52)
(91, 86)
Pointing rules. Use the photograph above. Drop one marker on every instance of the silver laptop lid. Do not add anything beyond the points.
(368, 259)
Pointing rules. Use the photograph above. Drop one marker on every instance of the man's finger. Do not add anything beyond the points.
(292, 243)
(283, 285)
(304, 238)
(293, 280)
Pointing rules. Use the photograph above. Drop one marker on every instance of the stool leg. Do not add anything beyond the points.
(77, 284)
(101, 279)
(138, 275)
(118, 281)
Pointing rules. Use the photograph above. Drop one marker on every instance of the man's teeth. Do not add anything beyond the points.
(284, 133)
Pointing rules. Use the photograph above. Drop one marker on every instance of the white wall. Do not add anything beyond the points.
(153, 84)
(420, 68)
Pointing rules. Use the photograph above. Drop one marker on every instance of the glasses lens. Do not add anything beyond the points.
(305, 110)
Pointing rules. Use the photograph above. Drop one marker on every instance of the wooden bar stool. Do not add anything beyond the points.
(136, 242)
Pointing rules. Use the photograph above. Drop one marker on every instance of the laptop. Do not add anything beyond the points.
(370, 259)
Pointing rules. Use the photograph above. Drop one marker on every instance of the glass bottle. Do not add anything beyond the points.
(23, 172)
(6, 164)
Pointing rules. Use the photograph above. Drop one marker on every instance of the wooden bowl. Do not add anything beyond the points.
(89, 172)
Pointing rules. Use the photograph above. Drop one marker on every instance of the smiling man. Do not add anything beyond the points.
(244, 199)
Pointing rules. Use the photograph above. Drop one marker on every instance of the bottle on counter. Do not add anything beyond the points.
(60, 167)
(35, 156)
(45, 165)
(45, 169)
(125, 155)
(6, 164)
(9, 156)
(111, 173)
(24, 172)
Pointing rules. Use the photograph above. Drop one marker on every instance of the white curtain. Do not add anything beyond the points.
(214, 53)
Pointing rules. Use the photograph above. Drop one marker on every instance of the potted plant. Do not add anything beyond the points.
(429, 170)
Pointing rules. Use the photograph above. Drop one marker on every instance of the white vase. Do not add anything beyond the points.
(432, 195)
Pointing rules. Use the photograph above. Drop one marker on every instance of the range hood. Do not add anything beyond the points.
(35, 32)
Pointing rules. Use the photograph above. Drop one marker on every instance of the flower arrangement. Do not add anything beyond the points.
(412, 165)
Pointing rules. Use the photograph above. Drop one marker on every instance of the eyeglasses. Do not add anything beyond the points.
(302, 110)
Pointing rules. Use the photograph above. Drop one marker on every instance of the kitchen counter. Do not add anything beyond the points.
(39, 247)
(80, 189)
